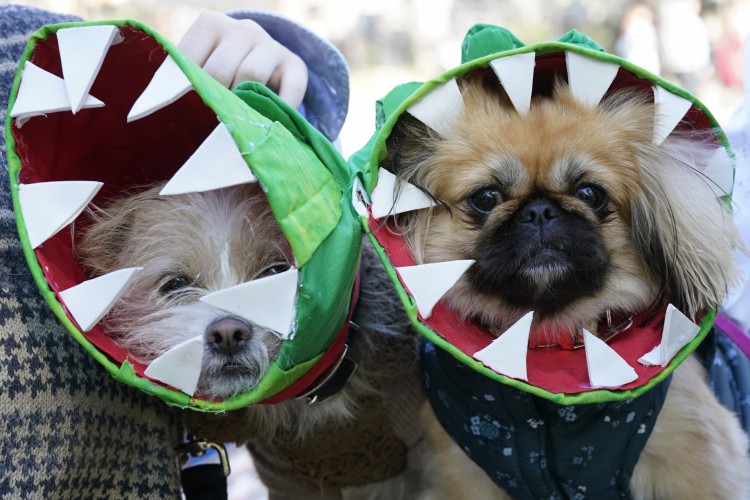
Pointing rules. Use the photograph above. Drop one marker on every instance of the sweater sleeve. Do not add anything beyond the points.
(69, 429)
(327, 99)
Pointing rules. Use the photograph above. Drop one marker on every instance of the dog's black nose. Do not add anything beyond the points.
(539, 212)
(228, 335)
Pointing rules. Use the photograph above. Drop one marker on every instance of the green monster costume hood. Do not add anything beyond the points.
(643, 356)
(99, 108)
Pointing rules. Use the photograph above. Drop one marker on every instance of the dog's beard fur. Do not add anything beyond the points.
(660, 235)
(189, 246)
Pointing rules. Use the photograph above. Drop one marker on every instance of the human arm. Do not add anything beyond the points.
(326, 100)
(235, 50)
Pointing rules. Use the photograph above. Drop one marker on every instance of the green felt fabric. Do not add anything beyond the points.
(313, 195)
(333, 276)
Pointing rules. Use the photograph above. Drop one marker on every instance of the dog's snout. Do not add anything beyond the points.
(228, 335)
(539, 212)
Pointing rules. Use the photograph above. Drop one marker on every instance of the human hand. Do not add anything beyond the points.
(237, 50)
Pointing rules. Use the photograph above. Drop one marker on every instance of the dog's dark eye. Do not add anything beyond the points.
(174, 284)
(593, 195)
(275, 269)
(485, 199)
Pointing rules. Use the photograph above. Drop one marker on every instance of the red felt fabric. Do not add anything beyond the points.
(553, 369)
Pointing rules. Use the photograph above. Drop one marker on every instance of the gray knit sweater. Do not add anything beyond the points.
(67, 430)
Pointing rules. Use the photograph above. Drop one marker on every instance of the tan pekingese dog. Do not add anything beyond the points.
(573, 212)
(359, 440)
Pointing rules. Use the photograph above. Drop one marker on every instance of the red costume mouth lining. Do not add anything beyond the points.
(122, 155)
(555, 369)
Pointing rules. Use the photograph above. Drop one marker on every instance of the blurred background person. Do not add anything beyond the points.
(685, 49)
(638, 41)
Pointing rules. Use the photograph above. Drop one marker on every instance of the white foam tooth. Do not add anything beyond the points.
(47, 207)
(167, 85)
(390, 199)
(180, 366)
(507, 353)
(217, 163)
(720, 173)
(516, 74)
(589, 79)
(119, 37)
(606, 367)
(427, 283)
(40, 93)
(669, 111)
(89, 301)
(82, 52)
(269, 301)
(653, 357)
(439, 108)
(678, 331)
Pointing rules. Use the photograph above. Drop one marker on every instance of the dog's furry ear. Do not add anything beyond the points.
(413, 148)
(679, 225)
(681, 229)
(483, 88)
(410, 146)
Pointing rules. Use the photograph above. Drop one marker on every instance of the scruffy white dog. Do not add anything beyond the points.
(193, 244)
(188, 246)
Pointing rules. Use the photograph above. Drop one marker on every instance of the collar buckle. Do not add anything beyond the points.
(195, 447)
(333, 380)
(612, 329)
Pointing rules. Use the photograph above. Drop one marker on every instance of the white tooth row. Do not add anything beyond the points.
(82, 52)
(606, 368)
(48, 207)
(589, 79)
